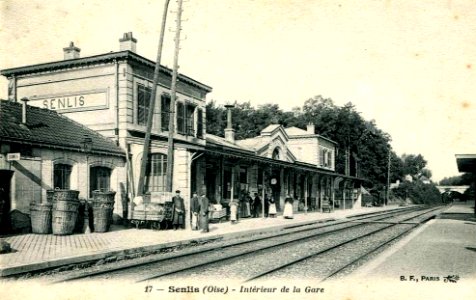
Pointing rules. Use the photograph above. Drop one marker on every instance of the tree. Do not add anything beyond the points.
(361, 139)
(413, 165)
(216, 119)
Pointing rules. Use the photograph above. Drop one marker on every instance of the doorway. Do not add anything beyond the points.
(5, 201)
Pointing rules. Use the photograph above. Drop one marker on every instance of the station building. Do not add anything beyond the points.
(109, 94)
(41, 150)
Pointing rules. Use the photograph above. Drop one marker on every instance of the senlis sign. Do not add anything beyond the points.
(71, 102)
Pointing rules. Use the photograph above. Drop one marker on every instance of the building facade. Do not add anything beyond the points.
(41, 150)
(109, 93)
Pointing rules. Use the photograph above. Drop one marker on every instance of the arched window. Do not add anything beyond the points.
(155, 179)
(100, 179)
(62, 176)
(275, 153)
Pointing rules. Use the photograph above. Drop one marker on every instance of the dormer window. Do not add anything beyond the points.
(325, 158)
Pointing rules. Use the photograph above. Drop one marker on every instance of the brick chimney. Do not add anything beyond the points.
(229, 131)
(71, 52)
(311, 128)
(128, 42)
(24, 108)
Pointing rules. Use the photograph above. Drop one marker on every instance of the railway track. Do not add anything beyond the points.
(348, 252)
(206, 257)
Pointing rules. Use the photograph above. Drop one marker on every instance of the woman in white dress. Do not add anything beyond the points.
(234, 211)
(272, 208)
(288, 207)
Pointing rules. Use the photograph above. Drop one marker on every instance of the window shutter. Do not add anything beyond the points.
(199, 123)
(180, 118)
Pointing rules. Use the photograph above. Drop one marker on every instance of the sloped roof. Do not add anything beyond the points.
(296, 131)
(210, 138)
(253, 143)
(47, 128)
(270, 128)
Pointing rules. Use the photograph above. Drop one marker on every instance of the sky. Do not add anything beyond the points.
(408, 65)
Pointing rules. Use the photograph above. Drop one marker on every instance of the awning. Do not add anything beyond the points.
(269, 161)
(466, 162)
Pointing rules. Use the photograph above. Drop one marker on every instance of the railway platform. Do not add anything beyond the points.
(36, 252)
(438, 255)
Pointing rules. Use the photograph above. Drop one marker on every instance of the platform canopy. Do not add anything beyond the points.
(466, 162)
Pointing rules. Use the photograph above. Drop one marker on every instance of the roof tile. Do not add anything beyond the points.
(50, 128)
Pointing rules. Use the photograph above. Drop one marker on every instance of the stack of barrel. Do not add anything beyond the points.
(65, 211)
(103, 206)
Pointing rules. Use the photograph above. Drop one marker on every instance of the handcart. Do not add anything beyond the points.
(217, 213)
(155, 211)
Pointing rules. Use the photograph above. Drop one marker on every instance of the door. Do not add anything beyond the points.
(5, 201)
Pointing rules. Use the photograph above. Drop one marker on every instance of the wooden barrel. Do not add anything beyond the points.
(50, 194)
(103, 206)
(40, 214)
(102, 217)
(65, 211)
(66, 195)
(64, 217)
(99, 196)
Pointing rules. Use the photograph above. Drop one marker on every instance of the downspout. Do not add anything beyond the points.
(116, 125)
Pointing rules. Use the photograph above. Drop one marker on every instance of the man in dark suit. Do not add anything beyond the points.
(195, 210)
(178, 220)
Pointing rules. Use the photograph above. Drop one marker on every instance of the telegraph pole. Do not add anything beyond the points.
(150, 116)
(173, 91)
(388, 176)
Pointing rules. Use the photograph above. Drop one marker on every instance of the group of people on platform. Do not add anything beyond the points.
(199, 207)
(244, 207)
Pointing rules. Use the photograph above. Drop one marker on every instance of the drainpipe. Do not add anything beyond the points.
(116, 128)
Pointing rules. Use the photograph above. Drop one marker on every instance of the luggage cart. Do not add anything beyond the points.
(155, 212)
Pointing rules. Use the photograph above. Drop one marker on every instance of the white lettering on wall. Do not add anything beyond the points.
(72, 102)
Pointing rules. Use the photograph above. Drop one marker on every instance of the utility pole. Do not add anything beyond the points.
(150, 116)
(173, 92)
(388, 175)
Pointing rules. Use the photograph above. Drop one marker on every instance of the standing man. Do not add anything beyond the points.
(195, 210)
(256, 206)
(204, 203)
(266, 205)
(178, 209)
